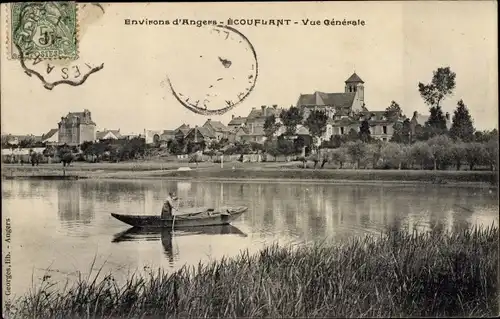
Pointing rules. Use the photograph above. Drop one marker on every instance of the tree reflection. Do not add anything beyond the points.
(73, 209)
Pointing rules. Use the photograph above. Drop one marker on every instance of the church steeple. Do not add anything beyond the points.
(354, 84)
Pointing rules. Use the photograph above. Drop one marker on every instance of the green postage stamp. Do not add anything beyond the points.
(43, 30)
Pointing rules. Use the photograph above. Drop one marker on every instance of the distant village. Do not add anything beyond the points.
(342, 109)
(78, 127)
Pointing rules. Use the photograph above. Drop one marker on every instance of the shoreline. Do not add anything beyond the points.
(250, 172)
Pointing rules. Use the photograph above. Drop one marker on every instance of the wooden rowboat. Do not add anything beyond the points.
(204, 218)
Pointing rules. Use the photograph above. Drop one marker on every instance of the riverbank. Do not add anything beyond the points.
(252, 172)
(396, 275)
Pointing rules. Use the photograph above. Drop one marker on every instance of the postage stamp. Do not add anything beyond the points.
(46, 30)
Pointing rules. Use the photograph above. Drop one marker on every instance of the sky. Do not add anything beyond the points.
(400, 45)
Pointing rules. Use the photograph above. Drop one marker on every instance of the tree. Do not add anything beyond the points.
(474, 154)
(402, 132)
(439, 146)
(339, 156)
(271, 147)
(352, 136)
(462, 127)
(357, 151)
(176, 146)
(436, 124)
(441, 86)
(316, 123)
(299, 143)
(291, 118)
(374, 152)
(485, 136)
(393, 111)
(491, 153)
(364, 131)
(270, 126)
(135, 147)
(420, 152)
(285, 146)
(392, 155)
(457, 153)
(27, 142)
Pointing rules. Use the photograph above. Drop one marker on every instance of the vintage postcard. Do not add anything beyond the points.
(265, 159)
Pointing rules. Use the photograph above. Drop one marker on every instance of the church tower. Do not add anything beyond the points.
(354, 84)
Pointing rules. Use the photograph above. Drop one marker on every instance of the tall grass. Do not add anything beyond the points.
(397, 274)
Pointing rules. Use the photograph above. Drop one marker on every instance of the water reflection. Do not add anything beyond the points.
(75, 203)
(65, 224)
(166, 235)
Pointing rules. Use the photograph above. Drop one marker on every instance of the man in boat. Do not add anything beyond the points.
(167, 210)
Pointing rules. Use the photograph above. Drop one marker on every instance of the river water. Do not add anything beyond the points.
(61, 228)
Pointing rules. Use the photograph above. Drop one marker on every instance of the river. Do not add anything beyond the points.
(61, 228)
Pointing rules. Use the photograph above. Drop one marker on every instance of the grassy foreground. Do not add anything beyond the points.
(398, 274)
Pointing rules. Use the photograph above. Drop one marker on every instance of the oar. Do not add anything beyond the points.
(173, 221)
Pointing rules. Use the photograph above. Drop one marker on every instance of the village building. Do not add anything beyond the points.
(51, 137)
(251, 128)
(167, 135)
(152, 136)
(219, 130)
(108, 135)
(200, 134)
(76, 128)
(236, 122)
(181, 132)
(347, 110)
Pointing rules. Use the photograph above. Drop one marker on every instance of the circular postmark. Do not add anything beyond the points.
(214, 72)
(43, 38)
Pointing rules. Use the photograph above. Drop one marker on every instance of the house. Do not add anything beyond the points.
(236, 122)
(21, 140)
(108, 135)
(254, 124)
(198, 134)
(381, 126)
(181, 132)
(167, 135)
(51, 137)
(252, 134)
(76, 128)
(218, 129)
(420, 119)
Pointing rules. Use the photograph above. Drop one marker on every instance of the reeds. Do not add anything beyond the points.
(397, 274)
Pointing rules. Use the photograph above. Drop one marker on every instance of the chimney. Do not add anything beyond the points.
(209, 120)
(253, 108)
(232, 116)
(447, 116)
(275, 106)
(263, 107)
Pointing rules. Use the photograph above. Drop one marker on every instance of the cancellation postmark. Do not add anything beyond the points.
(46, 40)
(231, 65)
(43, 30)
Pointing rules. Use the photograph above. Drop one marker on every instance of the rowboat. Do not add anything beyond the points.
(209, 217)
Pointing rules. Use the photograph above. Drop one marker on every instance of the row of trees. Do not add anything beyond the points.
(439, 153)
